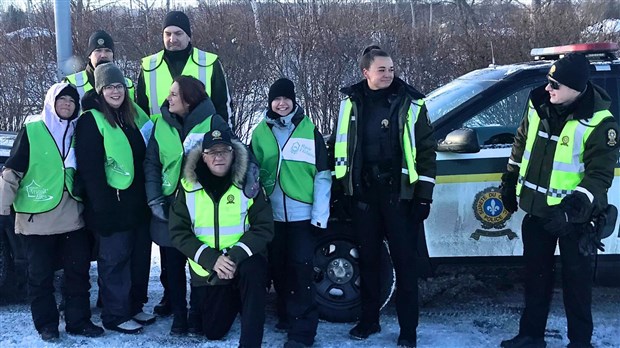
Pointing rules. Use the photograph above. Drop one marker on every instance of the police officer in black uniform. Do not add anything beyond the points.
(561, 166)
(391, 184)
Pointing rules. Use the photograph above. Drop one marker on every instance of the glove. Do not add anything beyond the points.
(420, 209)
(159, 211)
(577, 207)
(557, 224)
(508, 190)
(589, 241)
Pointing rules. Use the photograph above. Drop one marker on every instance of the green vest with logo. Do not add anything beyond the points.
(158, 80)
(80, 80)
(341, 147)
(43, 184)
(294, 167)
(219, 225)
(171, 150)
(119, 170)
(568, 165)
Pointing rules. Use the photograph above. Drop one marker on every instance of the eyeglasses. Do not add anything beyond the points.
(554, 84)
(218, 153)
(119, 87)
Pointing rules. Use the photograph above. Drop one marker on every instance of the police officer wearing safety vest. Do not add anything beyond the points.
(179, 57)
(222, 223)
(385, 160)
(38, 181)
(294, 171)
(561, 166)
(100, 51)
(110, 146)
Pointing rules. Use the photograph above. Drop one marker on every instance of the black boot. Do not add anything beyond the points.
(179, 325)
(521, 341)
(362, 330)
(87, 330)
(163, 308)
(49, 334)
(194, 323)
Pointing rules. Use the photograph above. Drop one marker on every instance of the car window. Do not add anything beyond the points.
(498, 123)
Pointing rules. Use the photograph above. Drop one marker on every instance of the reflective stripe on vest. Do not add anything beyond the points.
(158, 79)
(80, 80)
(43, 184)
(568, 166)
(171, 150)
(119, 170)
(341, 151)
(294, 167)
(218, 225)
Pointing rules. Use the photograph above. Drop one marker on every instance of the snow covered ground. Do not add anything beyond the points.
(463, 306)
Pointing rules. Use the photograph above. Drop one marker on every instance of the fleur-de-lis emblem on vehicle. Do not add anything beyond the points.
(493, 208)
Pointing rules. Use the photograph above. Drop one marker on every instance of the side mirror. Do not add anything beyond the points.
(464, 140)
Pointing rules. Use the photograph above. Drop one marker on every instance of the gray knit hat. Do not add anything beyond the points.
(107, 74)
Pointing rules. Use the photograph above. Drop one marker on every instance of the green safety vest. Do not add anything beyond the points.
(80, 80)
(118, 166)
(218, 225)
(47, 176)
(568, 166)
(171, 150)
(158, 79)
(341, 148)
(294, 167)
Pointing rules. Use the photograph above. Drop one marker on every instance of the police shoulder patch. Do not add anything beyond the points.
(612, 137)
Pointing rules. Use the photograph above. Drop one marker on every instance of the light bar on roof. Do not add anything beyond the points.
(586, 48)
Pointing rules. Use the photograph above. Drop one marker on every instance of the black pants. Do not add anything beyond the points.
(176, 281)
(381, 216)
(246, 294)
(290, 261)
(124, 263)
(538, 250)
(72, 249)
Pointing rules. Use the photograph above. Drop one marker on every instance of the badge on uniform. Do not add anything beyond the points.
(565, 140)
(385, 123)
(612, 137)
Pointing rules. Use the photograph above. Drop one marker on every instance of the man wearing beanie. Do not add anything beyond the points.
(179, 57)
(100, 50)
(561, 166)
(295, 174)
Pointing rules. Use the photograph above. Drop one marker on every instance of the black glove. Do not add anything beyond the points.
(589, 241)
(508, 190)
(577, 207)
(159, 212)
(557, 224)
(420, 208)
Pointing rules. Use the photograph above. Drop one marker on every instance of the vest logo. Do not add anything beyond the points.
(164, 180)
(611, 137)
(489, 210)
(565, 140)
(115, 167)
(301, 150)
(37, 192)
(230, 199)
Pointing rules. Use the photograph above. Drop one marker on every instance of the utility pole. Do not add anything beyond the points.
(62, 22)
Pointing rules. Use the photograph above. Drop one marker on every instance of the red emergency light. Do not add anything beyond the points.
(595, 48)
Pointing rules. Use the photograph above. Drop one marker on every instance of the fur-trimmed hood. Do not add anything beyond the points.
(239, 167)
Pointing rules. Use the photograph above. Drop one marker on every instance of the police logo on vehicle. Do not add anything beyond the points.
(489, 210)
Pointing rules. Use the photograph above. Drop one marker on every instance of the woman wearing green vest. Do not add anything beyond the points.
(187, 115)
(561, 167)
(385, 161)
(38, 182)
(222, 222)
(110, 148)
(295, 174)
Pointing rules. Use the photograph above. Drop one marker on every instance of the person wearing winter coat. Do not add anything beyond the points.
(561, 167)
(37, 181)
(222, 223)
(187, 115)
(295, 174)
(384, 155)
(110, 145)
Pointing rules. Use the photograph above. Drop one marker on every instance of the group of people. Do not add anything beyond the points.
(100, 167)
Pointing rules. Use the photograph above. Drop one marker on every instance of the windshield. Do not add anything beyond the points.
(6, 142)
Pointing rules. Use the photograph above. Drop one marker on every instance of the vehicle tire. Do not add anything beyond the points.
(338, 282)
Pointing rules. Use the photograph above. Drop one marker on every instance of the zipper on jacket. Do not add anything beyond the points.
(118, 195)
(547, 141)
(350, 178)
(216, 225)
(65, 153)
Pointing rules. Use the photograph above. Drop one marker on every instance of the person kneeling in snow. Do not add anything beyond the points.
(223, 224)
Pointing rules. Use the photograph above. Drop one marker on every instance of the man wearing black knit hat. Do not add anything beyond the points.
(100, 50)
(179, 57)
(561, 166)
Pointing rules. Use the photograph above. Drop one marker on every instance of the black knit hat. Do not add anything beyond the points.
(71, 91)
(99, 39)
(572, 71)
(178, 19)
(282, 88)
(216, 136)
(107, 74)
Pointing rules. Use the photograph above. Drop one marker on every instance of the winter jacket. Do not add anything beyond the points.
(108, 210)
(67, 215)
(260, 217)
(284, 207)
(153, 165)
(600, 155)
(84, 81)
(400, 97)
(175, 62)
